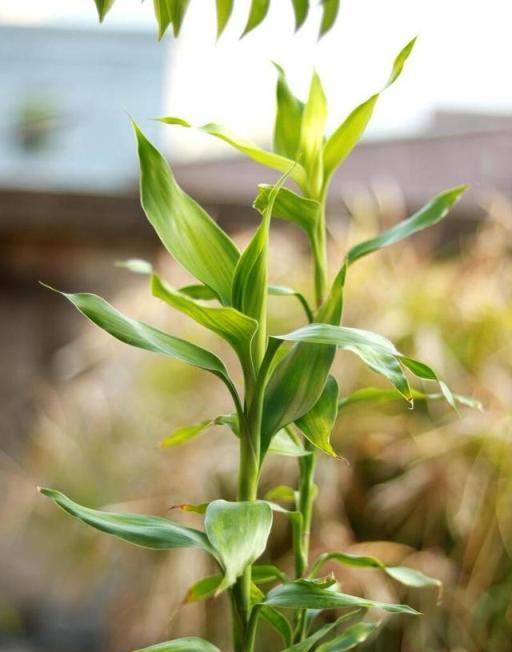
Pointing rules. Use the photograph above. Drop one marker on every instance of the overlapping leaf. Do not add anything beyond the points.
(308, 643)
(350, 638)
(318, 423)
(187, 644)
(292, 207)
(186, 433)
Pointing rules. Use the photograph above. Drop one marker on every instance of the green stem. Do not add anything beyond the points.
(319, 251)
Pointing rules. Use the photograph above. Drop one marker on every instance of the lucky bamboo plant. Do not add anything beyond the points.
(283, 394)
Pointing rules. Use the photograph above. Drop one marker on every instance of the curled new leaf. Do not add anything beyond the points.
(147, 531)
(186, 230)
(187, 644)
(238, 531)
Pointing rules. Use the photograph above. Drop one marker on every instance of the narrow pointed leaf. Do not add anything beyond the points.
(301, 9)
(350, 638)
(308, 643)
(283, 291)
(224, 11)
(269, 159)
(164, 13)
(411, 577)
(430, 214)
(103, 7)
(187, 644)
(233, 326)
(204, 588)
(304, 594)
(179, 9)
(198, 291)
(186, 433)
(239, 533)
(147, 531)
(290, 206)
(423, 371)
(340, 144)
(279, 622)
(378, 395)
(330, 10)
(263, 573)
(186, 230)
(257, 13)
(312, 135)
(282, 444)
(288, 120)
(318, 423)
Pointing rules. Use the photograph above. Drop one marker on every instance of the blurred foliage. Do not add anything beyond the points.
(428, 487)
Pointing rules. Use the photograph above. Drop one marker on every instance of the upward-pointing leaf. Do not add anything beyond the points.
(239, 533)
(343, 140)
(230, 324)
(103, 7)
(257, 13)
(143, 336)
(312, 135)
(147, 531)
(317, 424)
(269, 159)
(430, 214)
(186, 230)
(187, 644)
(224, 11)
(288, 118)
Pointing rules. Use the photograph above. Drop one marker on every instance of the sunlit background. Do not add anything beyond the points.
(85, 414)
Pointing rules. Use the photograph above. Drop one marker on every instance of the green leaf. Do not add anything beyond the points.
(283, 444)
(282, 291)
(340, 144)
(187, 644)
(281, 492)
(239, 533)
(301, 9)
(279, 622)
(143, 336)
(103, 7)
(234, 327)
(430, 214)
(290, 206)
(251, 279)
(308, 643)
(180, 8)
(264, 573)
(350, 638)
(378, 395)
(411, 577)
(375, 351)
(136, 265)
(305, 594)
(423, 371)
(288, 120)
(186, 230)
(330, 12)
(224, 11)
(198, 291)
(299, 378)
(257, 13)
(269, 159)
(317, 424)
(312, 135)
(203, 588)
(164, 13)
(186, 433)
(147, 531)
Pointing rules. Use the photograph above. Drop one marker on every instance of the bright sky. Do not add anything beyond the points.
(462, 60)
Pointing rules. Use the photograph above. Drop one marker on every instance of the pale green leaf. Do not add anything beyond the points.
(136, 265)
(411, 577)
(203, 588)
(185, 229)
(283, 291)
(317, 424)
(269, 159)
(257, 13)
(283, 444)
(288, 120)
(224, 11)
(378, 395)
(238, 531)
(198, 291)
(281, 492)
(147, 531)
(308, 643)
(187, 644)
(312, 135)
(264, 573)
(350, 638)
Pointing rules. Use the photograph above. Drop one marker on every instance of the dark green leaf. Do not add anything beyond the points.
(330, 12)
(269, 159)
(239, 533)
(317, 424)
(350, 638)
(147, 531)
(305, 594)
(187, 644)
(224, 11)
(257, 13)
(186, 230)
(430, 214)
(300, 8)
(103, 7)
(288, 118)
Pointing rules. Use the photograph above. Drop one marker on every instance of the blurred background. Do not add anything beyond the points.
(84, 414)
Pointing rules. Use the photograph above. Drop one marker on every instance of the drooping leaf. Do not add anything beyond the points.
(103, 7)
(301, 9)
(187, 644)
(423, 371)
(224, 11)
(305, 594)
(290, 206)
(283, 291)
(143, 336)
(288, 120)
(233, 326)
(350, 638)
(186, 433)
(136, 265)
(317, 424)
(186, 230)
(279, 622)
(308, 643)
(312, 130)
(269, 159)
(411, 577)
(340, 144)
(164, 13)
(257, 13)
(147, 531)
(203, 588)
(179, 10)
(330, 10)
(430, 214)
(239, 533)
(378, 395)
